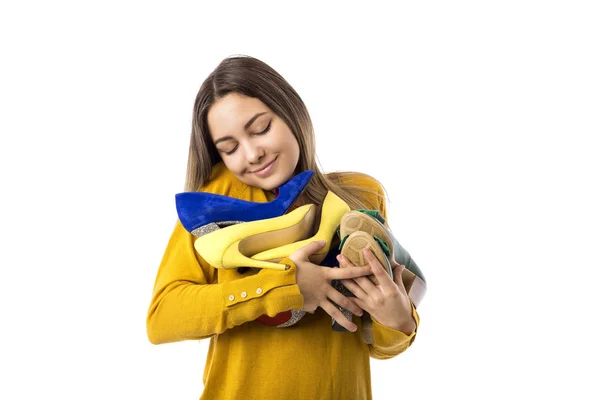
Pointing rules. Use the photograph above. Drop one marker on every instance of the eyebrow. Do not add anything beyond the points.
(250, 121)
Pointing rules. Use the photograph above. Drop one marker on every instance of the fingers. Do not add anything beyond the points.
(362, 281)
(355, 289)
(348, 273)
(338, 316)
(344, 302)
(304, 252)
(360, 303)
(380, 272)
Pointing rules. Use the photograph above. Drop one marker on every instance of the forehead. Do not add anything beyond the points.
(229, 114)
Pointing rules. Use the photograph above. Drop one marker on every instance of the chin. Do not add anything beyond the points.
(270, 184)
(273, 182)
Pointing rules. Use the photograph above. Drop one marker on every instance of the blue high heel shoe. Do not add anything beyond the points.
(201, 212)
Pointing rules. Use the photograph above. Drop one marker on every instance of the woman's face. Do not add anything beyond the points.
(254, 143)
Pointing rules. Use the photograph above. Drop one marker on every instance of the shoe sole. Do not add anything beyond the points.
(356, 243)
(355, 221)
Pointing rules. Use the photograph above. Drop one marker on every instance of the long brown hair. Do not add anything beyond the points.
(253, 78)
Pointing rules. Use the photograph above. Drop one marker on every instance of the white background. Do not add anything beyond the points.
(480, 118)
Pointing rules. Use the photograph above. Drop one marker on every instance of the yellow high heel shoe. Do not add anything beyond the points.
(331, 214)
(230, 247)
(332, 211)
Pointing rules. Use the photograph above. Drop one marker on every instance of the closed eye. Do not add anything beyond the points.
(266, 129)
(230, 152)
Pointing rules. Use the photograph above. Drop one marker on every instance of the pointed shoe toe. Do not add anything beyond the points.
(199, 209)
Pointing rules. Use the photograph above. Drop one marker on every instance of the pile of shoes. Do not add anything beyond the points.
(242, 235)
(360, 229)
(233, 234)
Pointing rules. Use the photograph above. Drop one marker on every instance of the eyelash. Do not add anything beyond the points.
(259, 133)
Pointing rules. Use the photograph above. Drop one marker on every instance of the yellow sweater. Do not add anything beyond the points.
(246, 359)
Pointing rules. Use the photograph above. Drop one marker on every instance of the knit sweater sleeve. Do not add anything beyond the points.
(193, 300)
(188, 304)
(388, 342)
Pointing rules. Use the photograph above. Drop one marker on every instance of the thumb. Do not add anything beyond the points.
(398, 276)
(304, 252)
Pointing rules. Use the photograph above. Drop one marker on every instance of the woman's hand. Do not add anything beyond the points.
(314, 282)
(388, 302)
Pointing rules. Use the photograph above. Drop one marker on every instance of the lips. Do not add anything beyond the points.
(264, 167)
(266, 170)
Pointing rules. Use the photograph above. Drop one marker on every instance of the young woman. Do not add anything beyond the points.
(251, 134)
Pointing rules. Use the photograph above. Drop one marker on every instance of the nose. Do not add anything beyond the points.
(254, 153)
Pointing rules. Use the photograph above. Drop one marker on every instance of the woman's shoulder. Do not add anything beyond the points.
(356, 179)
(222, 181)
(362, 187)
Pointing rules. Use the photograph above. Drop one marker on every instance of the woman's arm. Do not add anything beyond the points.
(188, 303)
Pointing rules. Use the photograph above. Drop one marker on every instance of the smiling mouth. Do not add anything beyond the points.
(266, 166)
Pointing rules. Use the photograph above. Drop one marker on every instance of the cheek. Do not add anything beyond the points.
(287, 141)
(233, 163)
(292, 147)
